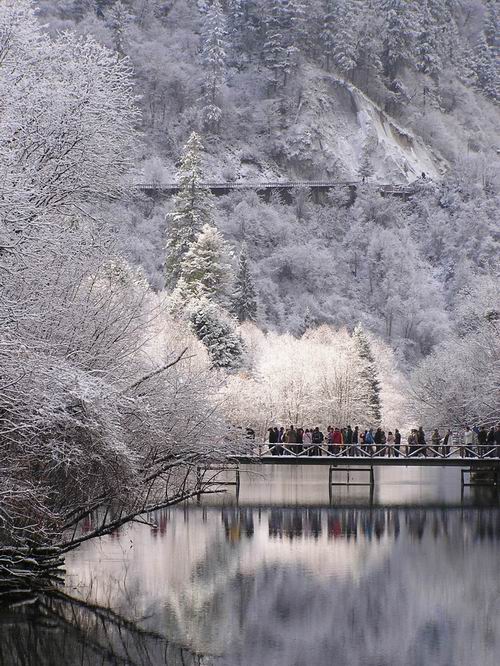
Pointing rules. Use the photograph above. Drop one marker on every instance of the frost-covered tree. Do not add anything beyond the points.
(427, 41)
(217, 330)
(206, 269)
(88, 370)
(244, 295)
(278, 49)
(485, 68)
(214, 58)
(459, 382)
(345, 47)
(192, 209)
(298, 10)
(312, 381)
(327, 33)
(368, 374)
(365, 169)
(236, 27)
(492, 27)
(398, 35)
(118, 18)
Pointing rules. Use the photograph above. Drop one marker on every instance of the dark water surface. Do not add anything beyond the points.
(289, 575)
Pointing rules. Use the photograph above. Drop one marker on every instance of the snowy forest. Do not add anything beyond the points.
(143, 333)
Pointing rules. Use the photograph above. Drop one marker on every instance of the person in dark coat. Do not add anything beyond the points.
(348, 441)
(397, 443)
(421, 442)
(300, 438)
(273, 439)
(482, 438)
(317, 439)
(355, 440)
(497, 440)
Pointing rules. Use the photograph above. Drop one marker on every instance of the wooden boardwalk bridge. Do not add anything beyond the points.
(266, 187)
(479, 464)
(456, 455)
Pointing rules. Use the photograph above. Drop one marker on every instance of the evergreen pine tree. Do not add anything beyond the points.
(206, 270)
(492, 28)
(118, 19)
(398, 35)
(212, 325)
(485, 71)
(236, 26)
(308, 322)
(368, 375)
(365, 169)
(344, 50)
(279, 50)
(192, 209)
(428, 60)
(244, 299)
(327, 34)
(298, 24)
(80, 8)
(214, 59)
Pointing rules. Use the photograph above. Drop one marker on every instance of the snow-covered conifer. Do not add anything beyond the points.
(398, 35)
(365, 169)
(427, 57)
(192, 209)
(327, 33)
(279, 50)
(236, 27)
(486, 72)
(118, 19)
(298, 23)
(368, 374)
(214, 59)
(217, 330)
(206, 269)
(492, 27)
(244, 298)
(344, 49)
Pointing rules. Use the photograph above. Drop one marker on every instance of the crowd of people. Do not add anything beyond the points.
(349, 441)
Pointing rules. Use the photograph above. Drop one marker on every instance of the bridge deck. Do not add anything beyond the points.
(389, 188)
(354, 461)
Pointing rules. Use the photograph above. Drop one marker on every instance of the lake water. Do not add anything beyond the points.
(289, 573)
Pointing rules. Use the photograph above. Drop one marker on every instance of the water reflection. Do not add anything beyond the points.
(306, 523)
(285, 585)
(61, 630)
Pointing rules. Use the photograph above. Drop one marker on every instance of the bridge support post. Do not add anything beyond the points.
(348, 482)
(482, 477)
(198, 483)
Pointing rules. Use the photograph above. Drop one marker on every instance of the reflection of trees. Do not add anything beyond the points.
(60, 630)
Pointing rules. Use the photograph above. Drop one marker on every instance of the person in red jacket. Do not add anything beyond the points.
(338, 440)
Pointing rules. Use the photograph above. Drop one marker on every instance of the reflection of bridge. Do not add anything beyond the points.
(221, 188)
(479, 464)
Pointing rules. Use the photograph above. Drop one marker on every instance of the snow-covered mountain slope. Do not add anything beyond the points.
(335, 120)
(316, 101)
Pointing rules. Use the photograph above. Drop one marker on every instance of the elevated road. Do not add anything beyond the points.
(220, 188)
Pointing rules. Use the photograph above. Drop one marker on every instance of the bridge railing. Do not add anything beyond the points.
(376, 451)
(272, 185)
